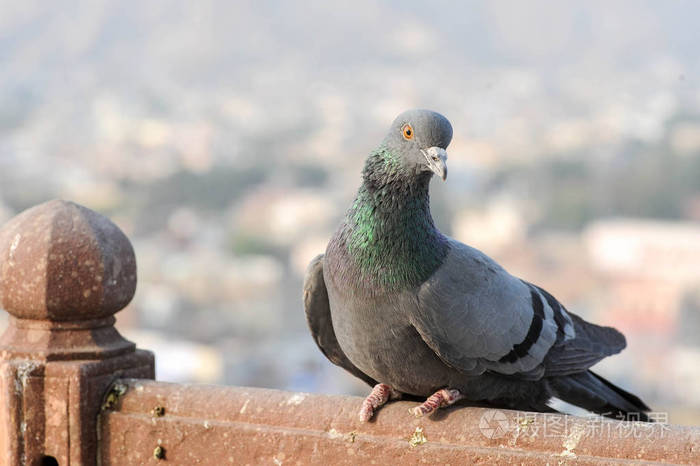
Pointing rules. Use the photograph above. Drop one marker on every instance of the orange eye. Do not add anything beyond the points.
(407, 132)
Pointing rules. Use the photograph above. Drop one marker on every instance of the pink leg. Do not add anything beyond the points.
(380, 394)
(441, 398)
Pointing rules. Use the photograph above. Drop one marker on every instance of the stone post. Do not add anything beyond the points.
(64, 272)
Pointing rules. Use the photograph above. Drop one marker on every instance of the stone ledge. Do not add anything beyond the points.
(198, 424)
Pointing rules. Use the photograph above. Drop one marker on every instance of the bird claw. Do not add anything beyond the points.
(439, 399)
(381, 393)
(366, 413)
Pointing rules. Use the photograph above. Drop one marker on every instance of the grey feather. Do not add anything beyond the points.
(472, 295)
(592, 392)
(318, 317)
(591, 344)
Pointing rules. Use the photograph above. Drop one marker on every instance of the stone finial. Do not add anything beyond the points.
(64, 271)
(60, 261)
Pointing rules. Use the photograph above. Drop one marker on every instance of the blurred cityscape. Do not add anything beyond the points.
(226, 139)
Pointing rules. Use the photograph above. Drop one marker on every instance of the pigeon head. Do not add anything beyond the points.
(418, 139)
(388, 237)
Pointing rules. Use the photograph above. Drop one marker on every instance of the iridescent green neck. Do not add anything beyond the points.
(389, 233)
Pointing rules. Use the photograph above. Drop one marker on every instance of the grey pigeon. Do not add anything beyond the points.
(415, 313)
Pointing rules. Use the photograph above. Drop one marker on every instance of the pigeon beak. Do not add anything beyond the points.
(436, 157)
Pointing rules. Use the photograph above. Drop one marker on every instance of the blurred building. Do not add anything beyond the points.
(648, 267)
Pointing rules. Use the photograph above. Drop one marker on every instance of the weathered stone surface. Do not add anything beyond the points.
(212, 425)
(62, 262)
(64, 271)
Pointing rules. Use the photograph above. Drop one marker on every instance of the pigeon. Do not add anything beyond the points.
(419, 315)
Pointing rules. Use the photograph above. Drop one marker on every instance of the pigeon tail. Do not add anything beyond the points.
(594, 393)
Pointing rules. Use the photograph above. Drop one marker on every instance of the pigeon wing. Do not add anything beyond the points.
(591, 344)
(318, 317)
(478, 317)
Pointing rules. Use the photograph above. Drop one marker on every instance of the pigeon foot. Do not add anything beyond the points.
(381, 393)
(439, 399)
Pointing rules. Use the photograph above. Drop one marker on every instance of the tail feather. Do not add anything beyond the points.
(594, 393)
(631, 398)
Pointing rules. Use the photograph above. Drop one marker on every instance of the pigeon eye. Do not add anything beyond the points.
(435, 158)
(407, 132)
